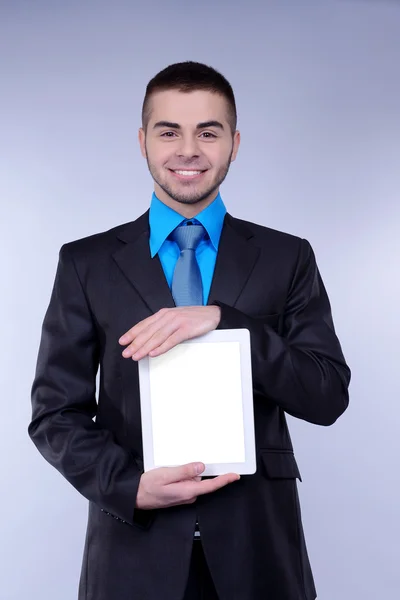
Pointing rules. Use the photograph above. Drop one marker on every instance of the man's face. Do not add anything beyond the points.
(188, 145)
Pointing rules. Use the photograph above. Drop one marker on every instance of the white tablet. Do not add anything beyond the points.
(197, 404)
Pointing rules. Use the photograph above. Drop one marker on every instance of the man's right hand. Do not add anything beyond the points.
(170, 486)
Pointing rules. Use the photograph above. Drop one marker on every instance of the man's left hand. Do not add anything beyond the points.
(167, 328)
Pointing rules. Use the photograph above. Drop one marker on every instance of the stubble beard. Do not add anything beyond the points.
(191, 196)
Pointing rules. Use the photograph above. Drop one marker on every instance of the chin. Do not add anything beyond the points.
(186, 194)
(188, 200)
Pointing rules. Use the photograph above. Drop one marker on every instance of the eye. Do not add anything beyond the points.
(168, 134)
(208, 134)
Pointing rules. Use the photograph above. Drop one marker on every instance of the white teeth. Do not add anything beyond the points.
(188, 173)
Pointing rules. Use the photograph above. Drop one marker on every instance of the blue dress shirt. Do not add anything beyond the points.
(163, 220)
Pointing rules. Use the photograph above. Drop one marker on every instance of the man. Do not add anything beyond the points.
(184, 268)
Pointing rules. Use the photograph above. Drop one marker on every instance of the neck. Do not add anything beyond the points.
(186, 210)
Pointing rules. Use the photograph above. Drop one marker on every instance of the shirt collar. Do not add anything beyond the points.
(163, 220)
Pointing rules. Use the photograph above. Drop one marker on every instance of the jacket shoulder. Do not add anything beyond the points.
(106, 241)
(263, 234)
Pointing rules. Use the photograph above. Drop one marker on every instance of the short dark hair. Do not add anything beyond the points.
(190, 76)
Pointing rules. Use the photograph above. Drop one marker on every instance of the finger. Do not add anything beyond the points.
(180, 501)
(190, 501)
(132, 333)
(147, 333)
(211, 485)
(187, 330)
(180, 335)
(182, 472)
(148, 341)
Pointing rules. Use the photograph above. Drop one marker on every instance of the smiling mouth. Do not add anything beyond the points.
(186, 174)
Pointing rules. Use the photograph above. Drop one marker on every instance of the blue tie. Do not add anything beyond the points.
(187, 286)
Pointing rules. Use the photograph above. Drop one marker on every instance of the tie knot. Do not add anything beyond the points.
(188, 237)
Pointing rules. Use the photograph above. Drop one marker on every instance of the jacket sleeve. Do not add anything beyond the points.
(64, 403)
(302, 370)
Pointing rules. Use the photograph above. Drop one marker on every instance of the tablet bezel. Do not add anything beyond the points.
(248, 466)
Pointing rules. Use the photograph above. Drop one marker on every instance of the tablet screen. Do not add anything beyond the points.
(196, 404)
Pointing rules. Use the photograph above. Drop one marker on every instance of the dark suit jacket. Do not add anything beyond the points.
(252, 533)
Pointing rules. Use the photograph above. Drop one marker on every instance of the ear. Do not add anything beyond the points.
(236, 144)
(142, 142)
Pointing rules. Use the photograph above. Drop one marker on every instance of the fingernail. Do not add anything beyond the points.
(199, 468)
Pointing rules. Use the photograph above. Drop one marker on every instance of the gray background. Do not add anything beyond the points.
(318, 93)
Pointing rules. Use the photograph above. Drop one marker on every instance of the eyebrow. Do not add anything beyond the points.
(203, 125)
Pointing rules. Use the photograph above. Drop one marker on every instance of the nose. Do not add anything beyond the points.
(188, 147)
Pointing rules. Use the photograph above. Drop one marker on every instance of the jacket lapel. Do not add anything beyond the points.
(236, 259)
(144, 273)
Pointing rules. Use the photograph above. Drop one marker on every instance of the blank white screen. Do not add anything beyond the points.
(196, 403)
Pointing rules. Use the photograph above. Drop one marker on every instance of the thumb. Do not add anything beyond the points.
(187, 471)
